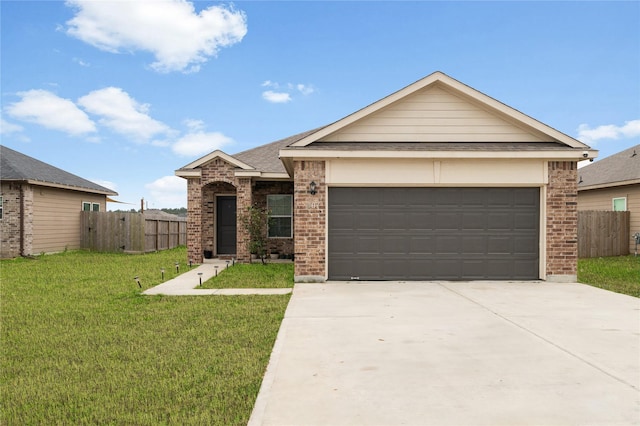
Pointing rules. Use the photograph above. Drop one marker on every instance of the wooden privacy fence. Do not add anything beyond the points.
(130, 232)
(603, 233)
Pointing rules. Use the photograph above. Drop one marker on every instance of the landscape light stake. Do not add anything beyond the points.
(216, 270)
(227, 265)
(189, 263)
(200, 276)
(138, 281)
(162, 273)
(233, 261)
(177, 268)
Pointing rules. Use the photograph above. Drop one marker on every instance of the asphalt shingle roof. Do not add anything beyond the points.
(621, 167)
(17, 166)
(266, 158)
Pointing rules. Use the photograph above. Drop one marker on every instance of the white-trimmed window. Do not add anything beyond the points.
(90, 207)
(619, 204)
(280, 208)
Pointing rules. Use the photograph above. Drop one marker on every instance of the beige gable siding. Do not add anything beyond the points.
(56, 218)
(434, 115)
(602, 199)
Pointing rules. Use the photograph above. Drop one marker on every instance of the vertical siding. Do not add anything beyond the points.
(434, 115)
(601, 199)
(56, 218)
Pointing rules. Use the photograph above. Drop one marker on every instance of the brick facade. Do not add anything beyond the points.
(562, 222)
(310, 221)
(218, 178)
(16, 232)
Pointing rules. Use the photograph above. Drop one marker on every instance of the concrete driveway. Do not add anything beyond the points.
(449, 353)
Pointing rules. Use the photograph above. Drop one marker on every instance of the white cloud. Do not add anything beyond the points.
(178, 37)
(47, 109)
(81, 62)
(194, 125)
(282, 93)
(106, 183)
(276, 97)
(200, 143)
(7, 128)
(168, 191)
(305, 89)
(122, 114)
(630, 129)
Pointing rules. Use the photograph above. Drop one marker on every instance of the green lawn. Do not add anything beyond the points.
(254, 275)
(80, 345)
(620, 274)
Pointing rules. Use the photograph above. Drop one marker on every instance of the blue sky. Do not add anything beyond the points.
(124, 93)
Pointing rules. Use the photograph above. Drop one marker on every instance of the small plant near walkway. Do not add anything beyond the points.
(255, 275)
(255, 220)
(620, 274)
(81, 345)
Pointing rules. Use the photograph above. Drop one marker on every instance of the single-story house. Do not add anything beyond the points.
(436, 181)
(40, 205)
(613, 184)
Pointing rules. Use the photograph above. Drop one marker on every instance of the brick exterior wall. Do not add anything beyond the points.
(17, 199)
(562, 221)
(310, 221)
(260, 191)
(218, 178)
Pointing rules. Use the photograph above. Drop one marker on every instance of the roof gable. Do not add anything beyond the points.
(217, 154)
(622, 168)
(16, 166)
(438, 108)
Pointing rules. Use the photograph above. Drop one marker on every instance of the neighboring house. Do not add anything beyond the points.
(434, 182)
(41, 205)
(613, 184)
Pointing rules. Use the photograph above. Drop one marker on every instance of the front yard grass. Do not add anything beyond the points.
(81, 345)
(620, 274)
(253, 275)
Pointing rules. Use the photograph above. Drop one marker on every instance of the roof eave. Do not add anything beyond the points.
(609, 185)
(217, 154)
(69, 187)
(289, 154)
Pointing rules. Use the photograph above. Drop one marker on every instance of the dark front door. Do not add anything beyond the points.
(226, 225)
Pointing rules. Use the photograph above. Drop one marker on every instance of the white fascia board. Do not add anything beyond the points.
(218, 154)
(196, 173)
(275, 175)
(317, 154)
(247, 173)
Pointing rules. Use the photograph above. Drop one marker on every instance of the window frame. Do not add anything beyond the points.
(90, 206)
(613, 204)
(289, 216)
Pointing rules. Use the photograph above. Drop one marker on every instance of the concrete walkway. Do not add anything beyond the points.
(188, 283)
(454, 353)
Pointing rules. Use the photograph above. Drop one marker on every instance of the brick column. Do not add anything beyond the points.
(562, 222)
(309, 221)
(194, 220)
(243, 202)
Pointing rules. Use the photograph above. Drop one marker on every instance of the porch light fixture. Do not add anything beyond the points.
(313, 188)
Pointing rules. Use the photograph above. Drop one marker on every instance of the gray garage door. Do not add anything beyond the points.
(433, 233)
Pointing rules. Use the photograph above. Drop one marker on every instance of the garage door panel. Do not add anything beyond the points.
(422, 245)
(433, 233)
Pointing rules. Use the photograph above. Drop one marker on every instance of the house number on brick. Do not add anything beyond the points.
(313, 205)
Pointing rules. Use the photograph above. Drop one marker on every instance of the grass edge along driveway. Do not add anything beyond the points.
(81, 345)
